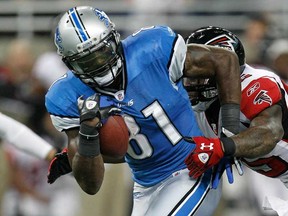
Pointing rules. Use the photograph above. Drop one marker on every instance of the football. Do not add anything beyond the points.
(114, 137)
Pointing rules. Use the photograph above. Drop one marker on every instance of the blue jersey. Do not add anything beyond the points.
(155, 107)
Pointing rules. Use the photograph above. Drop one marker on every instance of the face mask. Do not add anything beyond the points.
(203, 106)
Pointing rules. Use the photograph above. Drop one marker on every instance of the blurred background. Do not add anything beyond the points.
(29, 64)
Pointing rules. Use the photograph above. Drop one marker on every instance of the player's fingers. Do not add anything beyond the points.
(192, 166)
(198, 173)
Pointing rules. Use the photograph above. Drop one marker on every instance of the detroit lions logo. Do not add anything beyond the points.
(223, 41)
(102, 17)
(262, 97)
(58, 40)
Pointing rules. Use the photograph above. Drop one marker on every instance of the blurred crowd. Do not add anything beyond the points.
(24, 80)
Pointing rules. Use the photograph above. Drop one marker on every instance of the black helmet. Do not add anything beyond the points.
(217, 36)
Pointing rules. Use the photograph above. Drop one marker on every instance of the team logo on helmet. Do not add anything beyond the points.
(58, 40)
(103, 17)
(223, 41)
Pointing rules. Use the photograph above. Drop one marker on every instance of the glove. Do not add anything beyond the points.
(89, 144)
(58, 166)
(224, 164)
(207, 153)
(90, 108)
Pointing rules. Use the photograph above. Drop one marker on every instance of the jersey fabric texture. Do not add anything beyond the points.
(156, 108)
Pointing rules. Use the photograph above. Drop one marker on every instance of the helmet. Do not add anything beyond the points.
(205, 90)
(200, 90)
(216, 36)
(89, 45)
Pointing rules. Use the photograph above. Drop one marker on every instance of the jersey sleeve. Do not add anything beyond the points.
(178, 59)
(61, 101)
(258, 95)
(162, 48)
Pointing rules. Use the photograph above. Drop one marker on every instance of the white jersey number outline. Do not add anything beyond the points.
(157, 112)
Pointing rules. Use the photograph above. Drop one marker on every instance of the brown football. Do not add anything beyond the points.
(114, 137)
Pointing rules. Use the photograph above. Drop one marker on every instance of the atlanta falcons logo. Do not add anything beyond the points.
(262, 97)
(223, 41)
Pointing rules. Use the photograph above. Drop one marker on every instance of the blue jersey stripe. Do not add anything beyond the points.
(77, 23)
(192, 202)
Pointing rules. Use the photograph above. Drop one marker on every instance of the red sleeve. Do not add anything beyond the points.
(259, 95)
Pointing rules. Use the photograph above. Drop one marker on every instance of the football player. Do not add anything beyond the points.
(262, 144)
(142, 76)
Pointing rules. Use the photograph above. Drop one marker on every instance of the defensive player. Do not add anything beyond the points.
(24, 138)
(263, 146)
(141, 75)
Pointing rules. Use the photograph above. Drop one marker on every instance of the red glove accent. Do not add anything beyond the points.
(207, 153)
(59, 166)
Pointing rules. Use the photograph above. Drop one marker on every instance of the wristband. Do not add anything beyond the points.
(89, 145)
(229, 146)
(230, 114)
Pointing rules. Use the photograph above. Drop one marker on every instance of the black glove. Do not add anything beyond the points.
(90, 108)
(89, 144)
(58, 166)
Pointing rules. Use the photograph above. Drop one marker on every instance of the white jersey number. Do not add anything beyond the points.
(156, 111)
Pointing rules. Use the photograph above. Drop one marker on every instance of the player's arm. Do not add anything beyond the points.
(61, 163)
(87, 170)
(261, 137)
(84, 145)
(214, 62)
(207, 61)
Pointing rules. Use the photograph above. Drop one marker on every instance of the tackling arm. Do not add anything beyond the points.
(261, 137)
(207, 61)
(214, 62)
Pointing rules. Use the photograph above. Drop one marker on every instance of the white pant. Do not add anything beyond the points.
(177, 195)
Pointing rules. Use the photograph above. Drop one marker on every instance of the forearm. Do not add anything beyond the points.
(88, 168)
(88, 172)
(85, 158)
(261, 137)
(227, 73)
(255, 142)
(215, 63)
